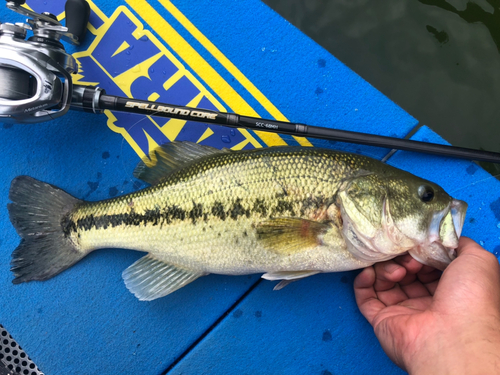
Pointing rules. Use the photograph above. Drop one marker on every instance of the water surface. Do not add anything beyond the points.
(437, 59)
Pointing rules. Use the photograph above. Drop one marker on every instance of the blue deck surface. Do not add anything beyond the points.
(224, 55)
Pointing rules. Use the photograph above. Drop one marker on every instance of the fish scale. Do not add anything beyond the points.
(205, 216)
(287, 212)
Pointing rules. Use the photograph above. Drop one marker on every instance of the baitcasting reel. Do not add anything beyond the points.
(36, 86)
(35, 74)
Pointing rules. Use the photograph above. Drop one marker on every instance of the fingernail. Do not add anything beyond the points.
(391, 267)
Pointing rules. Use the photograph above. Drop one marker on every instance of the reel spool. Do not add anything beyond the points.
(16, 84)
(36, 73)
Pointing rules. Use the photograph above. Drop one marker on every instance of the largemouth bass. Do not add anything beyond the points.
(287, 212)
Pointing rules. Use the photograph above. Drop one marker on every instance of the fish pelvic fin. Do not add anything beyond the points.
(287, 277)
(170, 157)
(37, 212)
(150, 278)
(290, 235)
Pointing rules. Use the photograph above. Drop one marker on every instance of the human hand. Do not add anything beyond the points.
(429, 323)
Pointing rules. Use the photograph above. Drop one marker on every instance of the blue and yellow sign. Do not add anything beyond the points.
(127, 59)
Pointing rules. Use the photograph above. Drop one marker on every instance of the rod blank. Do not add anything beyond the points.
(95, 99)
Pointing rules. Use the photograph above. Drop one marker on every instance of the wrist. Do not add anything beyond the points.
(472, 348)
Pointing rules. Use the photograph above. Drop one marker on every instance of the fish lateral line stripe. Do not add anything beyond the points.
(154, 217)
(173, 213)
(132, 218)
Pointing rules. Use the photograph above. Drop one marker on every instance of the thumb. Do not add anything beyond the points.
(478, 258)
(472, 280)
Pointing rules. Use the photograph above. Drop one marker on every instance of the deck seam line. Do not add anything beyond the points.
(211, 328)
(410, 134)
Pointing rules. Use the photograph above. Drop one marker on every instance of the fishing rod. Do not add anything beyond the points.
(36, 77)
(96, 100)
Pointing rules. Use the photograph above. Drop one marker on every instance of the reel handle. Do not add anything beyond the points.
(77, 17)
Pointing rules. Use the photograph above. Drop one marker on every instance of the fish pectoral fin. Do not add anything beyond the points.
(170, 157)
(150, 278)
(290, 235)
(287, 277)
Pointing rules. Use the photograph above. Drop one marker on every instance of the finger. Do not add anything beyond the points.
(430, 276)
(412, 267)
(420, 304)
(366, 297)
(392, 296)
(415, 290)
(414, 284)
(365, 279)
(387, 275)
(408, 279)
(431, 287)
(467, 245)
(477, 259)
(469, 248)
(426, 269)
(408, 262)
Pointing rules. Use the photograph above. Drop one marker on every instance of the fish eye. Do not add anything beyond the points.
(426, 193)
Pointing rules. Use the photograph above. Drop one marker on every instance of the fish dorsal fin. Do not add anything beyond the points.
(287, 277)
(172, 156)
(150, 278)
(289, 235)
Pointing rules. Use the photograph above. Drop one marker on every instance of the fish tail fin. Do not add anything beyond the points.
(37, 212)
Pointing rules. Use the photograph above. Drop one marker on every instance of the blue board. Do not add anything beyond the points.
(228, 56)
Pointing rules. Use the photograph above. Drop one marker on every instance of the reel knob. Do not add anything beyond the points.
(77, 17)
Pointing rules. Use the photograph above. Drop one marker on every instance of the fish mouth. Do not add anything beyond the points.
(458, 210)
(444, 234)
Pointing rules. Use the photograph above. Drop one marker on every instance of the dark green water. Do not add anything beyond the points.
(437, 59)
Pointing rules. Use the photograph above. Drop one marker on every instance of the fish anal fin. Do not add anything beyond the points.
(150, 278)
(290, 235)
(170, 157)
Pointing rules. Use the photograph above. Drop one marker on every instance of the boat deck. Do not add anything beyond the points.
(232, 56)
